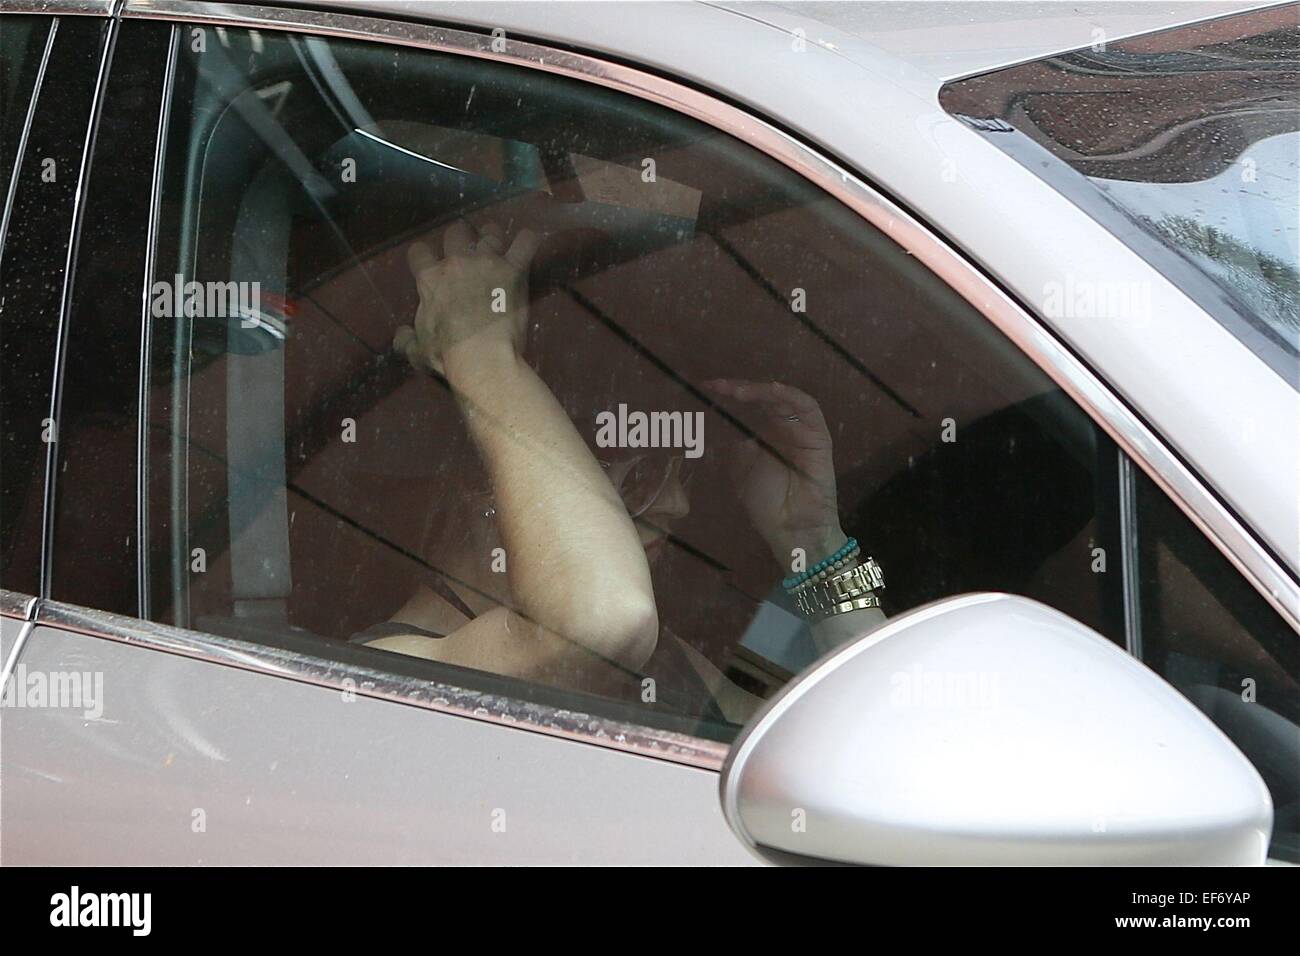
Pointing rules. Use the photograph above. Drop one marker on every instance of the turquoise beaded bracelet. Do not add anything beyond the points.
(836, 560)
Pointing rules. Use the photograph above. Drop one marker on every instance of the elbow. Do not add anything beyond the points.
(625, 632)
(639, 635)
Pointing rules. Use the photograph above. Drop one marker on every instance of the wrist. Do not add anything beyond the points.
(814, 545)
(480, 358)
(853, 588)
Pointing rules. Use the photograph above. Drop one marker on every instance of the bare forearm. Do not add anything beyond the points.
(574, 561)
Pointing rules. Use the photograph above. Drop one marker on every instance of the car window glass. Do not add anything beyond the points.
(38, 218)
(1210, 634)
(95, 482)
(526, 377)
(23, 43)
(22, 51)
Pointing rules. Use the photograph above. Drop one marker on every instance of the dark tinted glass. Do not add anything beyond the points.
(23, 44)
(1212, 635)
(94, 553)
(32, 274)
(1189, 140)
(308, 479)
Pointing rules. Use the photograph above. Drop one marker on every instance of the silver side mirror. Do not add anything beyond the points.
(990, 729)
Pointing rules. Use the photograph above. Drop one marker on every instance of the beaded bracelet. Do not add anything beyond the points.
(848, 561)
(835, 561)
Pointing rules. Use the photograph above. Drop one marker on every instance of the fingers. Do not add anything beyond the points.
(523, 249)
(789, 402)
(406, 343)
(459, 239)
(420, 258)
(491, 239)
(402, 338)
(777, 398)
(746, 390)
(789, 416)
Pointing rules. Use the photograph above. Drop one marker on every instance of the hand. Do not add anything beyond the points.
(475, 297)
(791, 499)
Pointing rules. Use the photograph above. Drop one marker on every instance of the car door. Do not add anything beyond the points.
(246, 474)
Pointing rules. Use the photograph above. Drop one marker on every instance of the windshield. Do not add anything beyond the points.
(1186, 143)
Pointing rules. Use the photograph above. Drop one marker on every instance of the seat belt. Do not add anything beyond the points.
(260, 569)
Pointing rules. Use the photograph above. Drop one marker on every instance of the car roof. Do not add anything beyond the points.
(945, 39)
(938, 39)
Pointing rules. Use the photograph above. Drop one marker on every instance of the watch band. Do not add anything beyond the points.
(849, 590)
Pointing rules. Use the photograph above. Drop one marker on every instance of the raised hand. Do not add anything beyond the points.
(790, 496)
(475, 297)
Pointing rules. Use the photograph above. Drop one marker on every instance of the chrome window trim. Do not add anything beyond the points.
(1138, 441)
(143, 593)
(61, 8)
(17, 606)
(11, 189)
(9, 663)
(366, 682)
(52, 447)
(1130, 569)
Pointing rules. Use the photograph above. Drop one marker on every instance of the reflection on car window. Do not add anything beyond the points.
(1194, 135)
(1210, 634)
(521, 376)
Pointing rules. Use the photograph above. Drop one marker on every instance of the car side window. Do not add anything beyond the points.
(520, 375)
(1204, 629)
(23, 45)
(41, 149)
(95, 479)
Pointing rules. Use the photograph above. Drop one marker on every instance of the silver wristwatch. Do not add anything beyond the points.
(850, 590)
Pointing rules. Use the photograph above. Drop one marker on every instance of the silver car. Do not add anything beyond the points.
(1002, 301)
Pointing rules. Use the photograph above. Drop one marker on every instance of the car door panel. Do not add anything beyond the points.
(194, 762)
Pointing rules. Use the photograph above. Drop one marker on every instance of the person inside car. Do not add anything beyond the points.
(575, 527)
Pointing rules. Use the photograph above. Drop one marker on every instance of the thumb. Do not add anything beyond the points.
(403, 338)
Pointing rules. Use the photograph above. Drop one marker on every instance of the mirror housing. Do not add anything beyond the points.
(990, 729)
